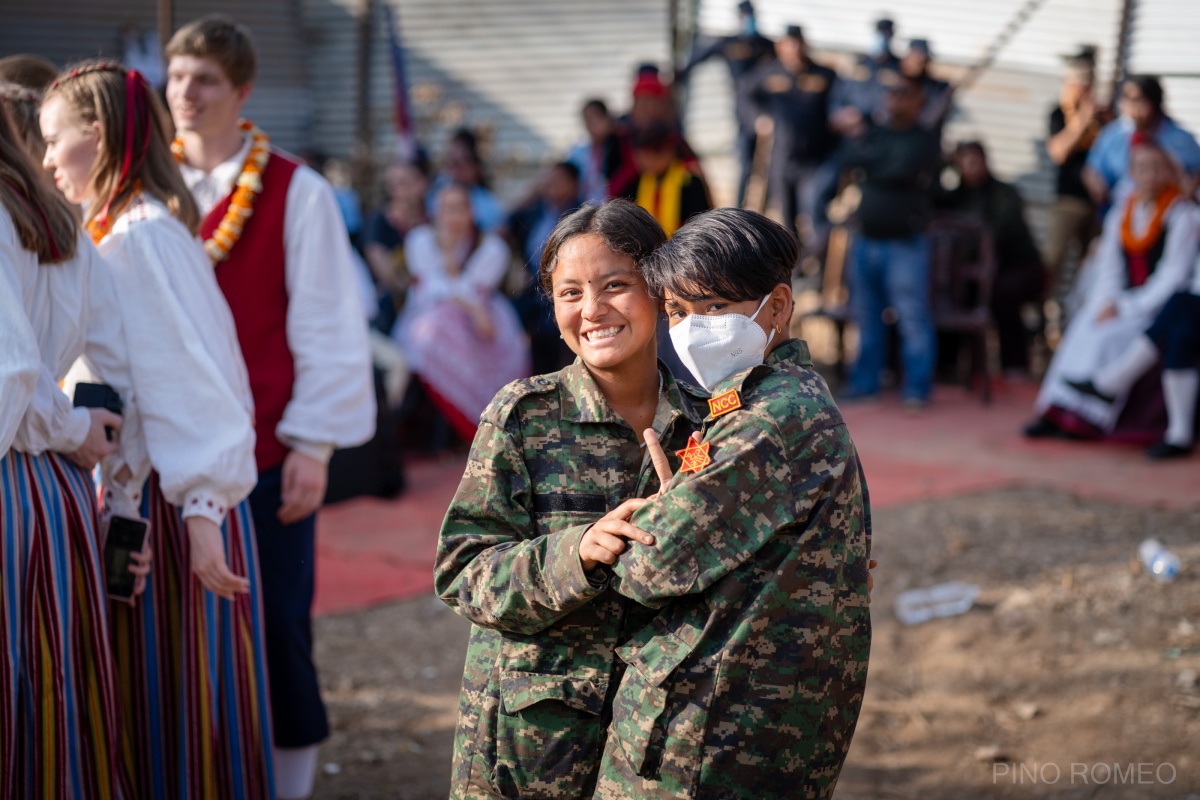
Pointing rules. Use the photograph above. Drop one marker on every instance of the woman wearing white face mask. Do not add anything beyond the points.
(760, 552)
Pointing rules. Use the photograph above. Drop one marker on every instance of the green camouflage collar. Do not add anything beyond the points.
(793, 351)
(582, 400)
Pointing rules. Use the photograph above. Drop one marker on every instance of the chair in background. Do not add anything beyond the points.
(835, 296)
(962, 272)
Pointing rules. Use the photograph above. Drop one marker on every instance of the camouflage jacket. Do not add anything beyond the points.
(749, 682)
(550, 458)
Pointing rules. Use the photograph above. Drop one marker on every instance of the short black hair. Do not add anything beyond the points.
(730, 253)
(624, 228)
(1150, 88)
(569, 169)
(971, 145)
(597, 104)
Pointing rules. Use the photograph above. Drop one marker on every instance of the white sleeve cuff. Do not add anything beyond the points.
(75, 430)
(204, 504)
(318, 451)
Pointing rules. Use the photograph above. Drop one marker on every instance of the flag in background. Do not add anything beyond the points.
(406, 142)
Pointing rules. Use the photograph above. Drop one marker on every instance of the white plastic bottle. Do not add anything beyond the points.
(1161, 563)
(943, 600)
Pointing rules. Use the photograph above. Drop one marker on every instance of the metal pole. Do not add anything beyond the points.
(362, 157)
(1121, 56)
(166, 21)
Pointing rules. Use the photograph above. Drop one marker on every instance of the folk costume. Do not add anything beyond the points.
(58, 695)
(460, 369)
(191, 666)
(283, 260)
(1145, 255)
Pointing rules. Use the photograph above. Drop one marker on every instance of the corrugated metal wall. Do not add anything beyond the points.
(69, 30)
(1008, 108)
(1164, 41)
(517, 71)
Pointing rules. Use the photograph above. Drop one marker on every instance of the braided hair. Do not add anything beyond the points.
(135, 138)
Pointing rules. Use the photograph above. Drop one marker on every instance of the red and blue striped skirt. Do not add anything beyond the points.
(58, 703)
(192, 670)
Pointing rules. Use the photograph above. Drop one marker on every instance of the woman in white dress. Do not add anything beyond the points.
(1145, 255)
(191, 658)
(461, 336)
(58, 694)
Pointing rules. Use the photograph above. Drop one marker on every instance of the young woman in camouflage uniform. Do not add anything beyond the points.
(749, 683)
(553, 455)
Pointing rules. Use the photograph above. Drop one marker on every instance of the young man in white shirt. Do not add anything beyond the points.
(283, 259)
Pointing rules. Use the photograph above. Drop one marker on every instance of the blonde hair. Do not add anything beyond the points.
(42, 217)
(220, 38)
(135, 139)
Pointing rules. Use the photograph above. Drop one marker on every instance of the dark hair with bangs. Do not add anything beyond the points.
(729, 253)
(624, 228)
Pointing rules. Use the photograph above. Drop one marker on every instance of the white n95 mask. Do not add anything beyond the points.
(717, 346)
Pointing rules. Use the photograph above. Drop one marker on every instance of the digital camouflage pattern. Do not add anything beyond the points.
(550, 458)
(749, 682)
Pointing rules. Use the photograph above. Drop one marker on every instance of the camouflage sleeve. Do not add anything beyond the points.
(709, 523)
(492, 568)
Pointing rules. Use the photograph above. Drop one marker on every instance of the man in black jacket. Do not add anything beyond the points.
(744, 53)
(1020, 275)
(794, 92)
(895, 165)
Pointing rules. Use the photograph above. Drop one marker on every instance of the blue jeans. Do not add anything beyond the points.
(892, 272)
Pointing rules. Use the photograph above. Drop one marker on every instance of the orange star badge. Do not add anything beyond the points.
(724, 403)
(695, 456)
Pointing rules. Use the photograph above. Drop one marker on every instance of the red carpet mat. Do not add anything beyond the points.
(374, 551)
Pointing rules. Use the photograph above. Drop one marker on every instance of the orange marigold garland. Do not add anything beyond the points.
(248, 186)
(102, 225)
(1140, 244)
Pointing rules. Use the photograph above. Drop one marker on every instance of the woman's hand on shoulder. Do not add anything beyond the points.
(658, 456)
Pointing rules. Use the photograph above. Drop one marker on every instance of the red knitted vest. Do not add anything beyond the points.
(253, 281)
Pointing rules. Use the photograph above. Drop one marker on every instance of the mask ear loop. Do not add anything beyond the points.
(774, 328)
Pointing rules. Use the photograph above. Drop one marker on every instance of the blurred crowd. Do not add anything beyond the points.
(858, 154)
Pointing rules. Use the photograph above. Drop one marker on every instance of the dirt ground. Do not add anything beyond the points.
(1074, 676)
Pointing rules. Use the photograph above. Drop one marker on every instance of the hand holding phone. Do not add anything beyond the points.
(125, 539)
(99, 395)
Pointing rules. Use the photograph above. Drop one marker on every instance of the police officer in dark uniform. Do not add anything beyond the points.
(939, 95)
(794, 91)
(861, 95)
(744, 53)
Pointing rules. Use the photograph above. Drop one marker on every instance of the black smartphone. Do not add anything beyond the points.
(99, 395)
(126, 535)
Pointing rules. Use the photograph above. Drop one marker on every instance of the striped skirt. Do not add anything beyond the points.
(192, 671)
(58, 704)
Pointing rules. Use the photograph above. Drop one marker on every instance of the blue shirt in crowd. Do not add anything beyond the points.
(1110, 154)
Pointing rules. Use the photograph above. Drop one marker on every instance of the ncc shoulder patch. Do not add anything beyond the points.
(724, 403)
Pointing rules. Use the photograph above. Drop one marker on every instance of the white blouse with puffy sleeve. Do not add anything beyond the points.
(19, 364)
(194, 409)
(70, 309)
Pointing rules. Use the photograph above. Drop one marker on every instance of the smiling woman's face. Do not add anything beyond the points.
(603, 309)
(71, 150)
